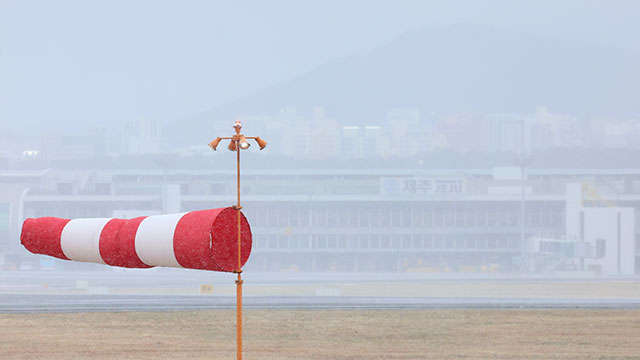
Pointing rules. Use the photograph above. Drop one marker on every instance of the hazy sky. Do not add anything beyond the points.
(95, 62)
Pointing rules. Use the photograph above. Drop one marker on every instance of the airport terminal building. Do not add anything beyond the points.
(436, 220)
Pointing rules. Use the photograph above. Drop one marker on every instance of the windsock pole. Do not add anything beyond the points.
(239, 269)
(238, 142)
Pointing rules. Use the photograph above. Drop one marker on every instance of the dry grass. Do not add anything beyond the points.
(326, 334)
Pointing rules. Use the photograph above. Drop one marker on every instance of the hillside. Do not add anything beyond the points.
(463, 68)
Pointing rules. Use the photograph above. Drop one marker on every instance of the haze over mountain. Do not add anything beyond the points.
(69, 67)
(462, 68)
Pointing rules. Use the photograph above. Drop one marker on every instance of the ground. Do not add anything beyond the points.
(325, 334)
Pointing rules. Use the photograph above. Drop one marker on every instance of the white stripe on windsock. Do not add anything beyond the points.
(154, 240)
(80, 239)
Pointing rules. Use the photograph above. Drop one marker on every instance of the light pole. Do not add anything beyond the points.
(238, 142)
(524, 163)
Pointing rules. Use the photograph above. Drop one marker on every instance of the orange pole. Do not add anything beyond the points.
(239, 315)
(238, 177)
(239, 270)
(236, 141)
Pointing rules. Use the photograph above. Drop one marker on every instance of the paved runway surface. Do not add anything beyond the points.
(21, 303)
(167, 289)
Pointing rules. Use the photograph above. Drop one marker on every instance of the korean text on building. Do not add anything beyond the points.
(422, 186)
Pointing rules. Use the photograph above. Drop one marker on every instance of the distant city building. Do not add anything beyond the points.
(509, 133)
(14, 148)
(461, 132)
(311, 134)
(617, 133)
(542, 137)
(406, 135)
(141, 136)
(72, 147)
(568, 132)
(323, 139)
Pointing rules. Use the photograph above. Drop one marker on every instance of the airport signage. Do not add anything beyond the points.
(426, 186)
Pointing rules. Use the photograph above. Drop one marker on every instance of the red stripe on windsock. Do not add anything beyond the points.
(42, 236)
(117, 243)
(225, 230)
(208, 239)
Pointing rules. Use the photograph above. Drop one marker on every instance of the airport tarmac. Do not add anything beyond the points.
(172, 289)
(39, 303)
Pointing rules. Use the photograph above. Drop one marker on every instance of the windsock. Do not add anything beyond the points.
(205, 240)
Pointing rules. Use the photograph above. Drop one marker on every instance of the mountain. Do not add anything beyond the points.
(465, 68)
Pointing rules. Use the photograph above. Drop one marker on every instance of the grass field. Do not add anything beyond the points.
(326, 334)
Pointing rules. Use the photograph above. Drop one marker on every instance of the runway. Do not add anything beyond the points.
(20, 303)
(166, 290)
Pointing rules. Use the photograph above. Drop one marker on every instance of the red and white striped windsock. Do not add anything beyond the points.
(206, 240)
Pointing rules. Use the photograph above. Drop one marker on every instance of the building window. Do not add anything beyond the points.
(64, 188)
(438, 242)
(514, 217)
(449, 215)
(438, 217)
(396, 217)
(470, 243)
(322, 242)
(406, 216)
(272, 218)
(385, 242)
(259, 242)
(294, 216)
(103, 189)
(353, 217)
(332, 242)
(273, 242)
(343, 242)
(502, 217)
(417, 217)
(406, 241)
(218, 189)
(460, 217)
(353, 241)
(321, 217)
(428, 242)
(481, 217)
(450, 243)
(482, 242)
(363, 217)
(375, 241)
(428, 217)
(417, 241)
(283, 217)
(332, 217)
(470, 216)
(343, 217)
(375, 217)
(304, 217)
(283, 242)
(364, 241)
(492, 216)
(385, 217)
(261, 217)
